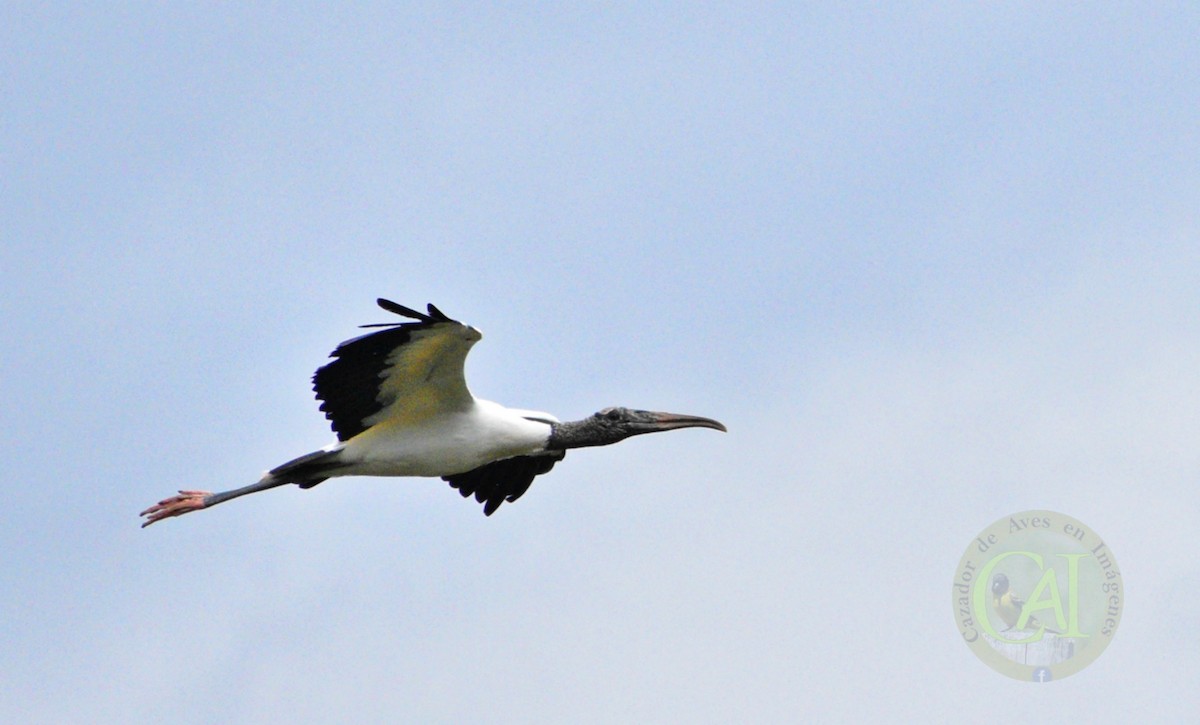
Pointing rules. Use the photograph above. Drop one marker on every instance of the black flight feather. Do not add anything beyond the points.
(435, 315)
(348, 387)
(503, 480)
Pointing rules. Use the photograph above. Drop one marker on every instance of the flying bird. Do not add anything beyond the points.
(398, 402)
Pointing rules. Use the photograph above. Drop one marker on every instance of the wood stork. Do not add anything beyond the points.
(398, 402)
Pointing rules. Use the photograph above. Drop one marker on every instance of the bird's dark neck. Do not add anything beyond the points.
(577, 434)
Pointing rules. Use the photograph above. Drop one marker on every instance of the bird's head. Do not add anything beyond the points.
(999, 585)
(612, 425)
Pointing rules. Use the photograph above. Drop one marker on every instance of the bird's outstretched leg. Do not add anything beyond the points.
(185, 502)
(305, 471)
(188, 501)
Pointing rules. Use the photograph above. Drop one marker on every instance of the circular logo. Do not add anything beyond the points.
(1037, 596)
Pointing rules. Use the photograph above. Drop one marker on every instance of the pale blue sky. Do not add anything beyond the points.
(931, 264)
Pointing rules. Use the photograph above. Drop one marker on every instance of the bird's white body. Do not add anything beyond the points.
(446, 442)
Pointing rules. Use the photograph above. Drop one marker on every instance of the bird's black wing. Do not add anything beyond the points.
(404, 370)
(503, 480)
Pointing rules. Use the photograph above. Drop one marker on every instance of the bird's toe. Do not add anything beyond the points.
(185, 502)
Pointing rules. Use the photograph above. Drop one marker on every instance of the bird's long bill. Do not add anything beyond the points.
(652, 422)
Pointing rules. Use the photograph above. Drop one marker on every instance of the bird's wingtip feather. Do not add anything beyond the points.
(437, 314)
(401, 310)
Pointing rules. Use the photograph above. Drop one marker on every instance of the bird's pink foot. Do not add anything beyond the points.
(185, 502)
